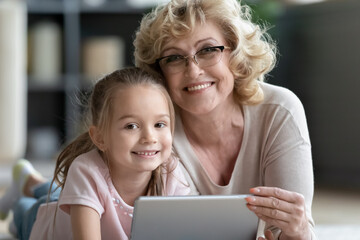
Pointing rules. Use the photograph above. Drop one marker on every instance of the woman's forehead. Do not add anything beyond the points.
(206, 32)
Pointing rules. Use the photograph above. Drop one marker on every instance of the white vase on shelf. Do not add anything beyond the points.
(45, 53)
(102, 55)
(13, 84)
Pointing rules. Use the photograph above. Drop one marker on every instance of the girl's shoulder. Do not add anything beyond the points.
(89, 164)
(89, 159)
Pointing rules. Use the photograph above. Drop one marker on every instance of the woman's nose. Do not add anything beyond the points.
(192, 69)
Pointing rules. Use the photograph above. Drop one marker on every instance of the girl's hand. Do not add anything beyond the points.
(282, 209)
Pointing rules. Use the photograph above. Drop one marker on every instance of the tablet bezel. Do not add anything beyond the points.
(208, 217)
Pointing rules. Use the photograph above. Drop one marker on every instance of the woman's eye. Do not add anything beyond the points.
(207, 50)
(160, 125)
(173, 58)
(131, 126)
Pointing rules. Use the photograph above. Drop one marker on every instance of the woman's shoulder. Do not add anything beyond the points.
(280, 103)
(281, 97)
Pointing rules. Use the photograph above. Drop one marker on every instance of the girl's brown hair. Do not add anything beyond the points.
(100, 110)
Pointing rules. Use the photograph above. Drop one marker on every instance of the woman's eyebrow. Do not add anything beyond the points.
(196, 44)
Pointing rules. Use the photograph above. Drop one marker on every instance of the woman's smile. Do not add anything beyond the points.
(198, 87)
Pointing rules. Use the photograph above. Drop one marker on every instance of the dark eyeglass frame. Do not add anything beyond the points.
(222, 48)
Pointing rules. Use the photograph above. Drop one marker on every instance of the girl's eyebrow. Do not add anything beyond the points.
(166, 115)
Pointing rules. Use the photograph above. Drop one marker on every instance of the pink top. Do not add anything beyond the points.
(94, 189)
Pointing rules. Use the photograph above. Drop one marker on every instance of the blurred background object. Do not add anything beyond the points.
(102, 55)
(145, 3)
(13, 86)
(319, 60)
(45, 49)
(72, 43)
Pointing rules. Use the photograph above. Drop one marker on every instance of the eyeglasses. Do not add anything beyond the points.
(205, 57)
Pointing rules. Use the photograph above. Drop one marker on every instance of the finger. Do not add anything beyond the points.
(269, 235)
(273, 203)
(274, 222)
(278, 193)
(272, 213)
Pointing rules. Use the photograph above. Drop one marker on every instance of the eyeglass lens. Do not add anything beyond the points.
(205, 57)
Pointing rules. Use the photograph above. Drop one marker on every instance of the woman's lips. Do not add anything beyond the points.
(198, 87)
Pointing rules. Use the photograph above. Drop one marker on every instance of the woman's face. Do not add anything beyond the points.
(199, 90)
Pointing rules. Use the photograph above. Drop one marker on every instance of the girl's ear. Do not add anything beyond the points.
(97, 138)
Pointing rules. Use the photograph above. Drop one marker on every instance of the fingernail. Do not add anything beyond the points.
(250, 199)
(254, 190)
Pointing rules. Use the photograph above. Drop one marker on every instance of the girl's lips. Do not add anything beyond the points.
(197, 87)
(146, 153)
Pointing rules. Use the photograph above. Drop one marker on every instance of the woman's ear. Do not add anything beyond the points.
(97, 138)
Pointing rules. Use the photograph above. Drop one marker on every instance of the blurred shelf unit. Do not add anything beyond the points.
(71, 44)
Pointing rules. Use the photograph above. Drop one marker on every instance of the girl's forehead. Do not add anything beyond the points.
(138, 87)
(140, 93)
(144, 102)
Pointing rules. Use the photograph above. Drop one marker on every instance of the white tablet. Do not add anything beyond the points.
(224, 217)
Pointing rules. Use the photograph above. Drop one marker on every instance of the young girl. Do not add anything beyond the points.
(126, 153)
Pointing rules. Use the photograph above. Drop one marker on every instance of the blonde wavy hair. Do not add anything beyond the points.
(253, 52)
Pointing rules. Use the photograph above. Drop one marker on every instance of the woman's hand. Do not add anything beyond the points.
(268, 236)
(282, 209)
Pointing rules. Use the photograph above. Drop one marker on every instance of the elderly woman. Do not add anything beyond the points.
(234, 133)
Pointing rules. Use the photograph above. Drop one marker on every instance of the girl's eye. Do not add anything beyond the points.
(131, 126)
(160, 125)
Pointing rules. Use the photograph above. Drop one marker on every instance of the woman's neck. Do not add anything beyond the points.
(209, 128)
(216, 139)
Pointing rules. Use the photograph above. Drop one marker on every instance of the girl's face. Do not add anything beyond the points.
(140, 134)
(199, 90)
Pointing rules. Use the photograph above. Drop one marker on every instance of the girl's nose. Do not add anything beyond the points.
(148, 137)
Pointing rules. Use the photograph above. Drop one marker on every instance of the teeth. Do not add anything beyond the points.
(198, 87)
(146, 153)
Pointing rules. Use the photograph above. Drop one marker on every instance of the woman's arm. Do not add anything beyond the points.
(285, 204)
(85, 223)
